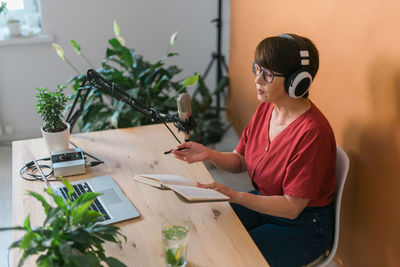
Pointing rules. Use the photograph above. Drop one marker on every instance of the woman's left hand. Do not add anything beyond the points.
(232, 194)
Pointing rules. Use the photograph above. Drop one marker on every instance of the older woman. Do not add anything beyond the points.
(289, 152)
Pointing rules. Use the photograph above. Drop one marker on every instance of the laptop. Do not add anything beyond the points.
(113, 204)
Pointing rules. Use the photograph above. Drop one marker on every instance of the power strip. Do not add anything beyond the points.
(68, 162)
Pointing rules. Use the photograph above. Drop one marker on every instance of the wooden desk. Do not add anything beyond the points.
(217, 237)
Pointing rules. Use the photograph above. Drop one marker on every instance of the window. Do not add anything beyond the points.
(27, 12)
(14, 4)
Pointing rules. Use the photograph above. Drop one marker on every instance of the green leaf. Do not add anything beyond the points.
(59, 50)
(84, 260)
(173, 70)
(113, 262)
(55, 214)
(15, 244)
(191, 80)
(3, 7)
(60, 202)
(66, 249)
(27, 240)
(39, 197)
(27, 223)
(75, 46)
(87, 197)
(90, 217)
(80, 211)
(116, 45)
(68, 186)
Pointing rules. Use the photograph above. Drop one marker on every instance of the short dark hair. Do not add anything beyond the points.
(281, 54)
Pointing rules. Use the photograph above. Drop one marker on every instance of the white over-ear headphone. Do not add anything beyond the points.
(299, 81)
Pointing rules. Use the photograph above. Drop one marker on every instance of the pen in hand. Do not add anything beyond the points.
(179, 149)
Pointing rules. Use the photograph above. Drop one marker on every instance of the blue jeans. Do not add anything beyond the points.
(286, 242)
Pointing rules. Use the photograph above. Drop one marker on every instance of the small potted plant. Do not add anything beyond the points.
(69, 235)
(51, 107)
(14, 25)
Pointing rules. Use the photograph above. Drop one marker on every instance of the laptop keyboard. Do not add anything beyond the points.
(81, 189)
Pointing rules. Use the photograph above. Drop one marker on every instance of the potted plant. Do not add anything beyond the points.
(152, 83)
(69, 235)
(14, 25)
(51, 106)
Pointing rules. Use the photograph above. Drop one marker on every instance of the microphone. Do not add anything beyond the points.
(185, 113)
(184, 107)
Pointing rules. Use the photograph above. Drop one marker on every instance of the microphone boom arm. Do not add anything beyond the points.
(96, 80)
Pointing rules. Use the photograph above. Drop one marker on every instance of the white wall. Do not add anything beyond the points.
(146, 26)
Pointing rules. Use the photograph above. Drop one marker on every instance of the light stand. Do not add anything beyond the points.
(217, 56)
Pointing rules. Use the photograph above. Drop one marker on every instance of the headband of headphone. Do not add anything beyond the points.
(299, 81)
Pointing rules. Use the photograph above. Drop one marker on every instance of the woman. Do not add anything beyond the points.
(289, 151)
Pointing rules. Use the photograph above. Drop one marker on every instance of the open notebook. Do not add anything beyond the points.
(181, 185)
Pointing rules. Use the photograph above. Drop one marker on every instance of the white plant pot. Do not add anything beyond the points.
(56, 141)
(14, 28)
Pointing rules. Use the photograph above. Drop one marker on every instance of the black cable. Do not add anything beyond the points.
(163, 121)
(29, 170)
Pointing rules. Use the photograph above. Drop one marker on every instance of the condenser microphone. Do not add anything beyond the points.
(185, 112)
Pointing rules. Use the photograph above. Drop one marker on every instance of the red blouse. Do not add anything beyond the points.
(299, 162)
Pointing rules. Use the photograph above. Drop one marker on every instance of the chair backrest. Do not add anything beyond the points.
(342, 167)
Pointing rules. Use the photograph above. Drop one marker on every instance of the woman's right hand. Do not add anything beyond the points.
(194, 152)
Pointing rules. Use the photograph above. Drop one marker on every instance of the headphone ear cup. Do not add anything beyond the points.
(297, 83)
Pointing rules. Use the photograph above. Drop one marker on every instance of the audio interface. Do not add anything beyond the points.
(68, 162)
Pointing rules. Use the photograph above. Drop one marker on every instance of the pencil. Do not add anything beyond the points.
(179, 149)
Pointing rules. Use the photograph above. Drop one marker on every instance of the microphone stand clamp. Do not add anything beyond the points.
(186, 126)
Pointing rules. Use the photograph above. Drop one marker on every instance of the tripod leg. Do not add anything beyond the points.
(208, 68)
(224, 64)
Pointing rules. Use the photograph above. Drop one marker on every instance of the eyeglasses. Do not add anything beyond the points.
(266, 74)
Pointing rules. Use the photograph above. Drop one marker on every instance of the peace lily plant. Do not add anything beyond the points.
(152, 84)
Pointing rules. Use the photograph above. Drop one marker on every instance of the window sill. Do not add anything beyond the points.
(26, 40)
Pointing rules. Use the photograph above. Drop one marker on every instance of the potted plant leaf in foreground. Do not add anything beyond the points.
(51, 106)
(69, 235)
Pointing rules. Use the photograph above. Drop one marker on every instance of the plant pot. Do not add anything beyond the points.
(56, 141)
(14, 27)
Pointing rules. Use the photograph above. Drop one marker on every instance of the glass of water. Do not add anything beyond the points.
(174, 235)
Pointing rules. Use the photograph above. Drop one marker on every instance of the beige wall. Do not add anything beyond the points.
(358, 89)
